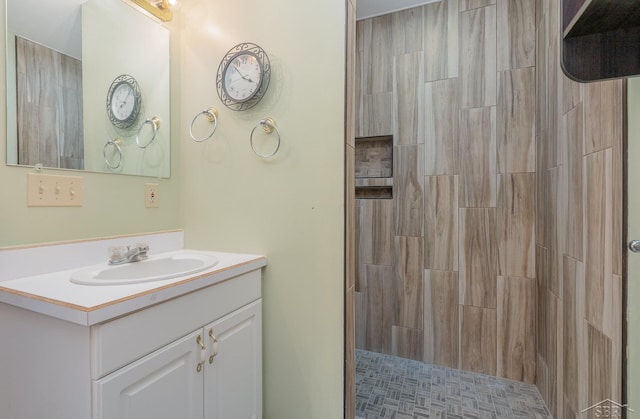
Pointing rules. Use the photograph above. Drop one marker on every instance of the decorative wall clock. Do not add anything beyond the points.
(243, 76)
(123, 101)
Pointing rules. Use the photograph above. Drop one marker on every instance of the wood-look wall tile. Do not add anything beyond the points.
(58, 80)
(361, 318)
(478, 257)
(571, 94)
(478, 339)
(377, 59)
(597, 232)
(406, 342)
(377, 115)
(568, 410)
(478, 57)
(516, 121)
(72, 149)
(350, 218)
(441, 127)
(542, 190)
(359, 95)
(604, 114)
(441, 223)
(474, 4)
(516, 225)
(516, 327)
(477, 151)
(618, 246)
(573, 133)
(541, 10)
(553, 352)
(408, 272)
(516, 34)
(375, 231)
(441, 318)
(554, 148)
(542, 322)
(542, 95)
(599, 366)
(574, 339)
(408, 190)
(407, 27)
(381, 302)
(555, 246)
(542, 378)
(408, 99)
(441, 40)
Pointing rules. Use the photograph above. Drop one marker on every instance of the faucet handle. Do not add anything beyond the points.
(144, 247)
(117, 252)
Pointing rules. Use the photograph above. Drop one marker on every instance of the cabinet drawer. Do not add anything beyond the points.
(123, 340)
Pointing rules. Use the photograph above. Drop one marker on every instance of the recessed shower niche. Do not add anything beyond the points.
(374, 167)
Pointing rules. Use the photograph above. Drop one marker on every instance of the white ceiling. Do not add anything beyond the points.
(371, 8)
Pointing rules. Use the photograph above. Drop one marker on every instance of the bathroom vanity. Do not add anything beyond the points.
(185, 347)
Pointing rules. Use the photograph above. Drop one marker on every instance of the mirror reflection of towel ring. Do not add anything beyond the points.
(212, 116)
(116, 144)
(268, 125)
(155, 126)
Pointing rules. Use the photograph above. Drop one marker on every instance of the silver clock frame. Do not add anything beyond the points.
(245, 48)
(129, 121)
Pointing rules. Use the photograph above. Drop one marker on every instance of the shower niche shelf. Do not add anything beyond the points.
(374, 167)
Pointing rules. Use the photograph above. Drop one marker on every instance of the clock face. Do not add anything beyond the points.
(123, 101)
(242, 77)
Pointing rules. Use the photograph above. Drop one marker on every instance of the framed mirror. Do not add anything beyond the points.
(63, 59)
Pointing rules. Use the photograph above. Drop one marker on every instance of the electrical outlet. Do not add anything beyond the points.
(151, 195)
(53, 190)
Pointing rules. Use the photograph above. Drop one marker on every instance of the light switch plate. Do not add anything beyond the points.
(53, 190)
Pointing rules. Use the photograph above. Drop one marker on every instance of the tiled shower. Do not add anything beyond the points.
(488, 211)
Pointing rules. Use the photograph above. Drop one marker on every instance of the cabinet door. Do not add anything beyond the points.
(163, 385)
(233, 381)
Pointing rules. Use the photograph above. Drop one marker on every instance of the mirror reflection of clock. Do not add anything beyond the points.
(242, 77)
(123, 101)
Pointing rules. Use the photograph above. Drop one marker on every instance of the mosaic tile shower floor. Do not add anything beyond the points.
(392, 387)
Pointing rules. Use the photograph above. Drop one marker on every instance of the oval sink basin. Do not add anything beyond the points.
(156, 268)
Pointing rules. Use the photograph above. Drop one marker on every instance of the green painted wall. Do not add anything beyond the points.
(289, 208)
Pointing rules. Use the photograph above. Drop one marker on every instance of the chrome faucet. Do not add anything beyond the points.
(118, 255)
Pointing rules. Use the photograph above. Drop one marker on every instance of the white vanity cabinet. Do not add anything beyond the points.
(212, 373)
(198, 355)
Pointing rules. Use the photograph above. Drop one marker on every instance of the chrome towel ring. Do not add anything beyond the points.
(268, 125)
(212, 116)
(155, 126)
(116, 144)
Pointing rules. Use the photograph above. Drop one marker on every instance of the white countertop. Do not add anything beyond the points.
(55, 295)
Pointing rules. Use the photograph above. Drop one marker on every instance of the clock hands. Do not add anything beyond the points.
(124, 101)
(237, 68)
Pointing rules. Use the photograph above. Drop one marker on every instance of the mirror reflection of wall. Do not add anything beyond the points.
(69, 52)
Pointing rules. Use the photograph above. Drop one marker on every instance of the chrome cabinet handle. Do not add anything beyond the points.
(634, 246)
